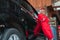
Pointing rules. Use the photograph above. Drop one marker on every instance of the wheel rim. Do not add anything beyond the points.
(14, 37)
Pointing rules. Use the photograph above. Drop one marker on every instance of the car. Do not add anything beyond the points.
(16, 17)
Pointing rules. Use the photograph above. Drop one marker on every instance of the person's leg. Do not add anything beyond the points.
(53, 28)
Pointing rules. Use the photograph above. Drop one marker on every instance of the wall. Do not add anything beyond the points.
(40, 3)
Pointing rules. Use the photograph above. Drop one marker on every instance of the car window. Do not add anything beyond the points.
(26, 5)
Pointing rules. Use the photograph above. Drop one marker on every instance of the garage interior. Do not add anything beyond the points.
(29, 19)
(54, 6)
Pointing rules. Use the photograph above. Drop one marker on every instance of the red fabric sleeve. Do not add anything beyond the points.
(37, 29)
(41, 17)
(45, 25)
(47, 30)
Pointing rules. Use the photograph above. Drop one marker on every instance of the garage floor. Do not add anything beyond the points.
(40, 38)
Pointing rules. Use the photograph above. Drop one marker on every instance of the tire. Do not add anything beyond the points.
(12, 31)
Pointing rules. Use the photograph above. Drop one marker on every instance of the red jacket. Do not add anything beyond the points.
(43, 23)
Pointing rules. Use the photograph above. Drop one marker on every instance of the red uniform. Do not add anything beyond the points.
(43, 23)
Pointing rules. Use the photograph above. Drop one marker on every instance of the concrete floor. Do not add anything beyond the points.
(40, 38)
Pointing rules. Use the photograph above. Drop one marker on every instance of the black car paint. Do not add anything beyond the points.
(11, 14)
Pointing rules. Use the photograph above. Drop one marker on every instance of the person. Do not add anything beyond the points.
(43, 23)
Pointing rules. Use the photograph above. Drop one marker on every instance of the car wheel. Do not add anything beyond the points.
(12, 34)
